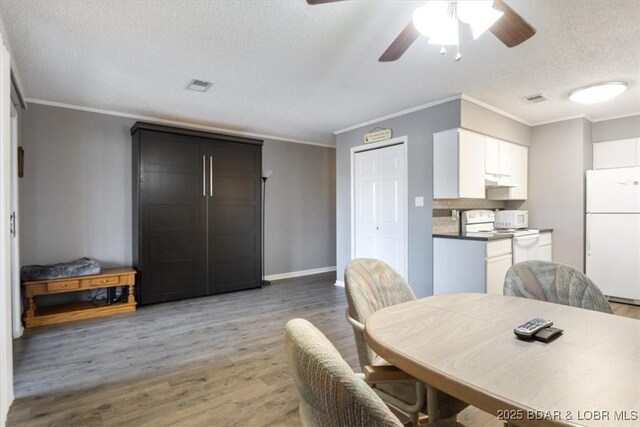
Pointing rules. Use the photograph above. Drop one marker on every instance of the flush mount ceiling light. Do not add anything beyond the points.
(598, 93)
(199, 85)
(439, 20)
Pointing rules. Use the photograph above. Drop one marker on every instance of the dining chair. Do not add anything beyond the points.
(330, 393)
(371, 285)
(557, 283)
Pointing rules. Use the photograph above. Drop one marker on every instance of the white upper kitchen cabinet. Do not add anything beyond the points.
(622, 153)
(518, 163)
(492, 156)
(458, 165)
(497, 157)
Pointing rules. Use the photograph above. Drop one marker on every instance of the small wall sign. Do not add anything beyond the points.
(377, 136)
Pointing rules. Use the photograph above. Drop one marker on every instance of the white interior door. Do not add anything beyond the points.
(380, 206)
(613, 254)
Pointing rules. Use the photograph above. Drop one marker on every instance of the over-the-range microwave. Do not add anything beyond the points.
(511, 219)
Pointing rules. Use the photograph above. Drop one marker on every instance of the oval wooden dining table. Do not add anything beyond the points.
(464, 345)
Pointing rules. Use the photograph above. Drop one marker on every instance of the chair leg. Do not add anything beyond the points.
(432, 404)
(415, 418)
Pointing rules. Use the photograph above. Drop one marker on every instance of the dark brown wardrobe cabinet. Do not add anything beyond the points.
(196, 212)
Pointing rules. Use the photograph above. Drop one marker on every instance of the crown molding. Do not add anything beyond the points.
(433, 104)
(174, 122)
(398, 114)
(563, 119)
(619, 116)
(495, 110)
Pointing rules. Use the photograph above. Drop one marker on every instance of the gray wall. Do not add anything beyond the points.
(419, 128)
(75, 198)
(479, 119)
(627, 127)
(300, 229)
(558, 157)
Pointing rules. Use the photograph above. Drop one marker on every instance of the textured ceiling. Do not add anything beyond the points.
(288, 69)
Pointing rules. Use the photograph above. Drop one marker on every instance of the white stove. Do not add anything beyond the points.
(480, 223)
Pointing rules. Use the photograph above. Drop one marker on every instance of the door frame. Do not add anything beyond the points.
(15, 238)
(6, 339)
(400, 140)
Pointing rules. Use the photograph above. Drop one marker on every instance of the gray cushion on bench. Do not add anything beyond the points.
(78, 267)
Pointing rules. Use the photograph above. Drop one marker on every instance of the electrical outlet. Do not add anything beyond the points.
(419, 202)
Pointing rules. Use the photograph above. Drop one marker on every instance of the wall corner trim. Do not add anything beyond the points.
(174, 122)
(300, 273)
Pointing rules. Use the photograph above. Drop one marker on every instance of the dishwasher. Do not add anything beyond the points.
(525, 245)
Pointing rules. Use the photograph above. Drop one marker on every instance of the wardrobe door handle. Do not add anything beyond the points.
(211, 176)
(204, 176)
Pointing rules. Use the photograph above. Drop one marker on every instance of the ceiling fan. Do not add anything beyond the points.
(439, 20)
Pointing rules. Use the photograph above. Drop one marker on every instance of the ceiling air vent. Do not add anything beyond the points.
(199, 85)
(538, 97)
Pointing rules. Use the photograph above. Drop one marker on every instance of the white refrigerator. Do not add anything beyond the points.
(613, 232)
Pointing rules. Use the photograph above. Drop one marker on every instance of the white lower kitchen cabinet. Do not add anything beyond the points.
(470, 265)
(499, 259)
(545, 246)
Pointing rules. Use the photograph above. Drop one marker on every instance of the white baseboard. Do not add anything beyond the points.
(300, 273)
(339, 283)
(17, 334)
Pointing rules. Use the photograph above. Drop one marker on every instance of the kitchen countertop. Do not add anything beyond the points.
(464, 236)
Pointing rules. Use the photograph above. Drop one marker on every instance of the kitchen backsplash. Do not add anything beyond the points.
(442, 222)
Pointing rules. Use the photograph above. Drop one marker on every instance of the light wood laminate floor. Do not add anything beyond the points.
(212, 361)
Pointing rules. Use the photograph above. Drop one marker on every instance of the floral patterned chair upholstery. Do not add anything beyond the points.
(371, 285)
(557, 283)
(331, 394)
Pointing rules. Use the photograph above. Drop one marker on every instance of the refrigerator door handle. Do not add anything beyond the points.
(589, 177)
(588, 235)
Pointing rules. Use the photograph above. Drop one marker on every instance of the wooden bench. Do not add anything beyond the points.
(109, 278)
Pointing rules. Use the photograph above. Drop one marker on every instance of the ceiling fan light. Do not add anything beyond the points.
(429, 18)
(480, 15)
(598, 93)
(447, 35)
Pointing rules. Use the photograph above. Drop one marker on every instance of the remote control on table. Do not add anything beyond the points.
(527, 330)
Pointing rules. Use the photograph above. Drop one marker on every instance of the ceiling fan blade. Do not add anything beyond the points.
(401, 43)
(312, 2)
(511, 29)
